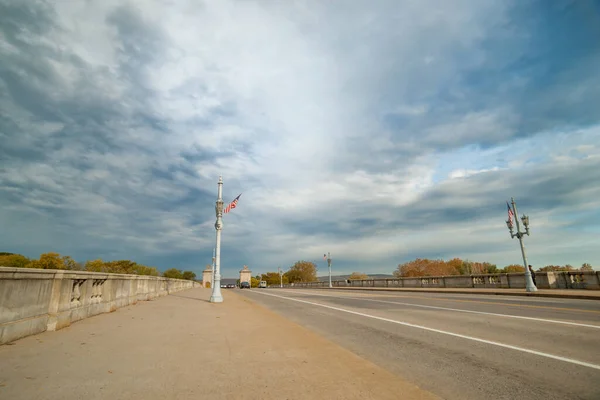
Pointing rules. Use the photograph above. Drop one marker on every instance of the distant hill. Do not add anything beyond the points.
(344, 277)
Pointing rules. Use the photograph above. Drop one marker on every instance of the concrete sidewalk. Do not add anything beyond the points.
(556, 293)
(183, 347)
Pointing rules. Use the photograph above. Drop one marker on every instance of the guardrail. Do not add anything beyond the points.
(35, 300)
(544, 280)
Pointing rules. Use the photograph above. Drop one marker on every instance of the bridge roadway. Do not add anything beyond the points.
(181, 347)
(465, 346)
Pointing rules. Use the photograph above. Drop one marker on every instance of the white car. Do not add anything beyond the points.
(262, 284)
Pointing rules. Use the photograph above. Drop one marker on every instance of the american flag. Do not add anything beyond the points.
(232, 205)
(510, 214)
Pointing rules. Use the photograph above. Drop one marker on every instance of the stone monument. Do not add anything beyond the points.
(207, 277)
(245, 275)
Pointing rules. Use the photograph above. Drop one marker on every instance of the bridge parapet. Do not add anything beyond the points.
(545, 280)
(36, 300)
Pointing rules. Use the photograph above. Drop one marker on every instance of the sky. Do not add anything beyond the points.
(379, 131)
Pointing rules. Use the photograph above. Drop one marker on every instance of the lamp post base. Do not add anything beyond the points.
(531, 289)
(216, 299)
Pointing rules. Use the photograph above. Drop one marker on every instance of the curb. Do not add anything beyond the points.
(495, 293)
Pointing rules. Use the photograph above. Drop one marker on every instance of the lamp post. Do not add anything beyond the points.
(329, 265)
(280, 277)
(213, 268)
(529, 285)
(216, 296)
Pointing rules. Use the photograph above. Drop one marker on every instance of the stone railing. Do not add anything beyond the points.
(36, 300)
(544, 280)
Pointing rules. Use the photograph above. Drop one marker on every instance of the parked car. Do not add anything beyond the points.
(230, 286)
(245, 285)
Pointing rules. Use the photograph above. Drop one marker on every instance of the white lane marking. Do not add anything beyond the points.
(454, 295)
(458, 335)
(553, 321)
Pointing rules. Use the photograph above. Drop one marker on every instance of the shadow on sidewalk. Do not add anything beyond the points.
(190, 298)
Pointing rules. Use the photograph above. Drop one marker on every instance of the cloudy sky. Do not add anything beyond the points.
(379, 131)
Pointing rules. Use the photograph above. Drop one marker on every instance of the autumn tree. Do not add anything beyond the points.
(71, 264)
(455, 266)
(95, 265)
(513, 268)
(490, 268)
(302, 271)
(426, 267)
(121, 267)
(358, 276)
(586, 267)
(149, 271)
(189, 275)
(556, 268)
(412, 268)
(254, 282)
(272, 278)
(173, 273)
(52, 261)
(13, 260)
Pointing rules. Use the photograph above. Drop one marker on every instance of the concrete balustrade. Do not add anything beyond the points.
(36, 300)
(545, 280)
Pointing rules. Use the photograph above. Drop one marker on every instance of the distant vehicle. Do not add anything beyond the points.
(230, 286)
(245, 285)
(262, 284)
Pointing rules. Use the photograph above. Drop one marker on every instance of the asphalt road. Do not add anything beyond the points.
(459, 346)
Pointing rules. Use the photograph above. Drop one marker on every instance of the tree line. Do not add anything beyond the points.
(56, 261)
(456, 266)
(301, 271)
(306, 271)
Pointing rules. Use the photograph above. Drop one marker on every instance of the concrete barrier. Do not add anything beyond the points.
(545, 280)
(36, 300)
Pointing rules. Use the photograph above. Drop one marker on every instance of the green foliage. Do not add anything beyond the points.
(302, 271)
(120, 267)
(173, 273)
(189, 275)
(254, 282)
(272, 278)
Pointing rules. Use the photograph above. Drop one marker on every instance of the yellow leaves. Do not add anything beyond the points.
(302, 271)
(358, 276)
(14, 261)
(513, 268)
(95, 265)
(272, 278)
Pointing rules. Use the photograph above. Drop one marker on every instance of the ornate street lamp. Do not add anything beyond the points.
(329, 265)
(216, 296)
(280, 277)
(529, 285)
